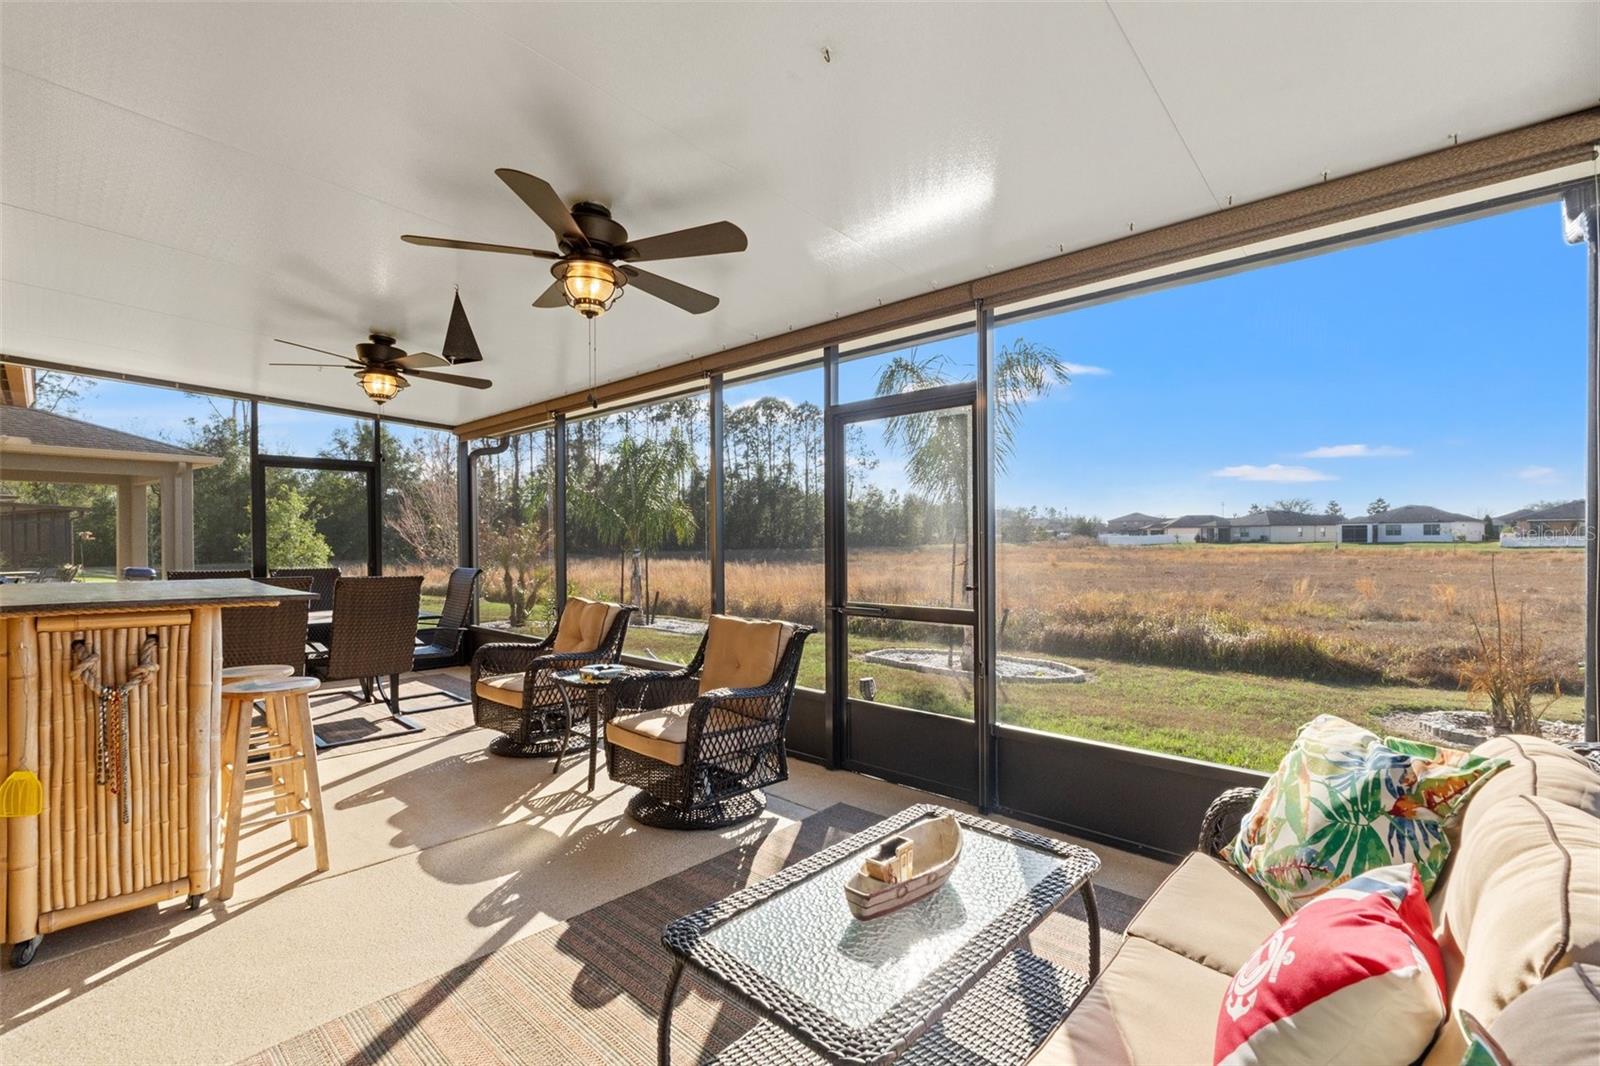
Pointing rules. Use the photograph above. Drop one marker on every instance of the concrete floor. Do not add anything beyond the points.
(440, 853)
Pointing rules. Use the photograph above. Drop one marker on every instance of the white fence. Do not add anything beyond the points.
(1134, 540)
(1512, 540)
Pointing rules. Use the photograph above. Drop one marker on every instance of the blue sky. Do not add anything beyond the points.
(1444, 367)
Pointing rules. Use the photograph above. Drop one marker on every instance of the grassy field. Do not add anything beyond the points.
(1218, 652)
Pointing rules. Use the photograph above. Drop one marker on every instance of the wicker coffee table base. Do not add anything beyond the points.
(647, 810)
(1002, 1020)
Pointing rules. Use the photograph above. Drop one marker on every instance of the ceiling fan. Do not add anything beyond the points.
(596, 256)
(381, 368)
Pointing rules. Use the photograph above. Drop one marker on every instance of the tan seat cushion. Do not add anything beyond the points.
(1151, 1007)
(506, 689)
(1522, 902)
(741, 653)
(584, 624)
(1555, 1023)
(1209, 912)
(658, 734)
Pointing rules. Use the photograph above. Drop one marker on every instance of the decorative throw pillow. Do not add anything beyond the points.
(1353, 976)
(1343, 802)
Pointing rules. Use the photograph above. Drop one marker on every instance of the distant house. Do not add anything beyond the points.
(1412, 524)
(1277, 527)
(1557, 520)
(1135, 524)
(1193, 527)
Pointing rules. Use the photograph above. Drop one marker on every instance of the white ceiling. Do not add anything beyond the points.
(182, 183)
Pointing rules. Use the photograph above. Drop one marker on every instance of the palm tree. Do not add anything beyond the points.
(937, 443)
(639, 501)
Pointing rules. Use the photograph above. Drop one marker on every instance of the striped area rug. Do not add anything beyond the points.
(589, 990)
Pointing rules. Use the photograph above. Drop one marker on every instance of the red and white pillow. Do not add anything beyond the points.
(1355, 975)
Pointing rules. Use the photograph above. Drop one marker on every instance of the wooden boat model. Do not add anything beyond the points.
(905, 868)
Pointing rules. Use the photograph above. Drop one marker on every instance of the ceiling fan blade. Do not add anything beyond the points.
(320, 351)
(554, 296)
(419, 361)
(679, 295)
(450, 379)
(319, 366)
(715, 238)
(544, 202)
(477, 246)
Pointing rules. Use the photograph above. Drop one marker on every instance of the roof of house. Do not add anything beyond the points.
(1134, 520)
(1412, 513)
(1571, 511)
(1194, 521)
(24, 426)
(1283, 518)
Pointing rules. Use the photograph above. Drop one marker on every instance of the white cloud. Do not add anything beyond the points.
(1085, 370)
(1355, 451)
(1272, 472)
(1542, 474)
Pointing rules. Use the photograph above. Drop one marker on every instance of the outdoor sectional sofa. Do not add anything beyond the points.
(1518, 904)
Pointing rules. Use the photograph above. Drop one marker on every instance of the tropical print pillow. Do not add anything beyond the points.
(1343, 802)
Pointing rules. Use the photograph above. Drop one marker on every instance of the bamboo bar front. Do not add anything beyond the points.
(79, 860)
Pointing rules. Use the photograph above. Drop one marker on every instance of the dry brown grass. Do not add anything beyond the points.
(1404, 611)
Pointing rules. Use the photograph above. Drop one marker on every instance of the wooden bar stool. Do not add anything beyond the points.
(232, 675)
(284, 748)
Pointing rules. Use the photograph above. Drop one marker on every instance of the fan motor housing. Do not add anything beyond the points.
(597, 224)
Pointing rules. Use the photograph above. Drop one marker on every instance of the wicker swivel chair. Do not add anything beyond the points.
(372, 635)
(440, 644)
(513, 691)
(701, 742)
(254, 636)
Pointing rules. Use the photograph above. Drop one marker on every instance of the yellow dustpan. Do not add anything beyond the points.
(21, 795)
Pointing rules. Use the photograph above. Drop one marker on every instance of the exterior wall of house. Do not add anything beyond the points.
(1412, 533)
(1128, 540)
(1183, 534)
(1307, 534)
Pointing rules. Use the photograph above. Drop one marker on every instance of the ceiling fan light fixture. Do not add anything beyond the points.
(380, 384)
(590, 286)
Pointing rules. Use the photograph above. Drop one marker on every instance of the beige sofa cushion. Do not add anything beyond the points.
(506, 689)
(1538, 767)
(1209, 912)
(659, 734)
(584, 624)
(1151, 1007)
(1522, 902)
(741, 653)
(1555, 1023)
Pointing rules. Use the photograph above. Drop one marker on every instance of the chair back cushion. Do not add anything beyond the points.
(1521, 903)
(584, 624)
(742, 653)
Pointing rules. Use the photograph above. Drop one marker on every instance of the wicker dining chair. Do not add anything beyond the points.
(372, 636)
(255, 636)
(513, 690)
(200, 575)
(440, 644)
(323, 579)
(700, 743)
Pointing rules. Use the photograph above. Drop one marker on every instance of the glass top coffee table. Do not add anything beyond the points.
(879, 990)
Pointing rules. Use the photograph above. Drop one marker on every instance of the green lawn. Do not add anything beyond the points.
(1233, 718)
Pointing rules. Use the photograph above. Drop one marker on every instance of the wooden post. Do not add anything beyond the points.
(205, 705)
(22, 852)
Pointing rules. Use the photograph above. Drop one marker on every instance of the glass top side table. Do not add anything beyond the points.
(588, 703)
